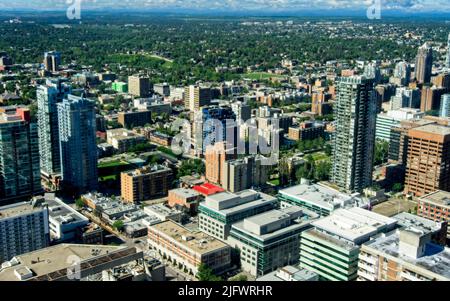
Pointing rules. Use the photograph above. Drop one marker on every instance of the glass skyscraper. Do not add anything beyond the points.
(48, 96)
(78, 147)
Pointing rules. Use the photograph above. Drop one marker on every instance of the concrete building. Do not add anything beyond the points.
(331, 248)
(162, 89)
(221, 210)
(189, 249)
(320, 198)
(435, 206)
(403, 73)
(290, 273)
(431, 98)
(354, 139)
(56, 263)
(270, 240)
(186, 198)
(386, 121)
(404, 255)
(139, 86)
(307, 131)
(64, 221)
(196, 97)
(24, 227)
(78, 144)
(122, 140)
(20, 176)
(146, 183)
(246, 173)
(444, 111)
(447, 59)
(153, 104)
(424, 64)
(405, 97)
(428, 160)
(48, 95)
(163, 213)
(134, 119)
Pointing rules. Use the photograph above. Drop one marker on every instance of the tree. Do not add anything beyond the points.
(206, 274)
(381, 152)
(239, 278)
(79, 203)
(118, 225)
(398, 187)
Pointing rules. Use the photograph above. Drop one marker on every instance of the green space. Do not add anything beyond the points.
(261, 75)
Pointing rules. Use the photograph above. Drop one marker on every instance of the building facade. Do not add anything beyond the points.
(354, 139)
(19, 155)
(78, 144)
(424, 64)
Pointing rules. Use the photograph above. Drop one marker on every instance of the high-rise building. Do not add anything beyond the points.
(424, 64)
(445, 106)
(386, 121)
(431, 98)
(19, 155)
(447, 61)
(241, 174)
(242, 111)
(139, 86)
(215, 160)
(218, 125)
(354, 138)
(403, 73)
(48, 95)
(372, 70)
(52, 60)
(405, 98)
(146, 183)
(24, 227)
(78, 145)
(196, 97)
(428, 160)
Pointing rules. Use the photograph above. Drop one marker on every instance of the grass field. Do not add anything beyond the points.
(319, 156)
(112, 164)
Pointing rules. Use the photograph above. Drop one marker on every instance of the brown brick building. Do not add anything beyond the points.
(146, 183)
(435, 206)
(215, 157)
(428, 160)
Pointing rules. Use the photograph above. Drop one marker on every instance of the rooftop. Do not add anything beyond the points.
(19, 209)
(208, 189)
(52, 259)
(197, 241)
(185, 193)
(411, 221)
(436, 258)
(440, 198)
(61, 212)
(433, 129)
(355, 225)
(290, 273)
(323, 196)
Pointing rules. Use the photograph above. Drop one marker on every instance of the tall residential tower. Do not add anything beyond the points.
(355, 133)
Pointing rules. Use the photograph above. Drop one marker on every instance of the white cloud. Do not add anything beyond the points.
(271, 5)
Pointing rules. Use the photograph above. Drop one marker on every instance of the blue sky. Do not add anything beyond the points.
(412, 6)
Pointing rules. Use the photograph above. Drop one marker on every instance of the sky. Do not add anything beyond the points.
(409, 6)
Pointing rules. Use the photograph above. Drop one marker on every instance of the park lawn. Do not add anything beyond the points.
(112, 164)
(108, 178)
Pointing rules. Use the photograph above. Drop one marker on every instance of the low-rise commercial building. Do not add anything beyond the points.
(290, 273)
(331, 248)
(270, 240)
(186, 198)
(320, 198)
(307, 131)
(220, 211)
(435, 206)
(122, 140)
(188, 250)
(404, 255)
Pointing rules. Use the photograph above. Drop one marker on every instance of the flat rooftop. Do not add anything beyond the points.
(411, 221)
(355, 224)
(196, 241)
(61, 212)
(227, 203)
(436, 258)
(440, 198)
(296, 273)
(433, 129)
(55, 258)
(321, 196)
(185, 193)
(18, 209)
